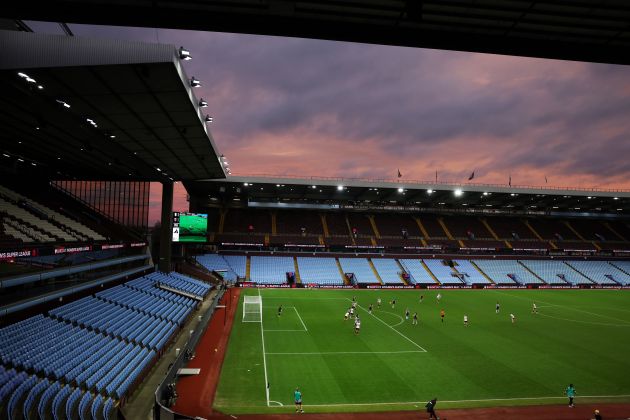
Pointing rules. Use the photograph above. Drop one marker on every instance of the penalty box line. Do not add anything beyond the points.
(423, 350)
(324, 353)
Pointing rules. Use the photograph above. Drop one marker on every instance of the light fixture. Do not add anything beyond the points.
(33, 163)
(5, 155)
(40, 87)
(278, 185)
(195, 82)
(158, 169)
(339, 187)
(485, 193)
(314, 187)
(63, 103)
(184, 54)
(400, 190)
(615, 198)
(203, 103)
(513, 195)
(429, 191)
(245, 184)
(208, 119)
(458, 192)
(111, 136)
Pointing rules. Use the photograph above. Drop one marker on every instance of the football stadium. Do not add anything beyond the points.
(141, 279)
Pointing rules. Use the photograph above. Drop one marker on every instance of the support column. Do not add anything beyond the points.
(167, 232)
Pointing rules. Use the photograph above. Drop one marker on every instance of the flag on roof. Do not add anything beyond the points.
(399, 174)
(471, 176)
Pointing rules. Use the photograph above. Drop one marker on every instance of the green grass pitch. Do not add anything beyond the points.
(578, 336)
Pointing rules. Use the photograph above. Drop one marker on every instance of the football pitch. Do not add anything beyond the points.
(578, 336)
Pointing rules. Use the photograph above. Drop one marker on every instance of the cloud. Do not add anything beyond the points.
(309, 107)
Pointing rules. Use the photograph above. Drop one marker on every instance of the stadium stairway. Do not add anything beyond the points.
(481, 271)
(298, 279)
(430, 272)
(402, 270)
(343, 275)
(378, 276)
(579, 272)
(248, 268)
(610, 228)
(446, 231)
(531, 271)
(377, 234)
(575, 232)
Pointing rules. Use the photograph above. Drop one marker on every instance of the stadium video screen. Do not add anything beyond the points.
(190, 227)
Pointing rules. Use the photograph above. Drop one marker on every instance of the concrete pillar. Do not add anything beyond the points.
(167, 220)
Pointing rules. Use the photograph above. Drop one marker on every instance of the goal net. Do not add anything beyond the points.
(252, 309)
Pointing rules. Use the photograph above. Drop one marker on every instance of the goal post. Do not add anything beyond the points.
(252, 309)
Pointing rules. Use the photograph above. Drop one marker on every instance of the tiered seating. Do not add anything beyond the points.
(239, 220)
(432, 226)
(270, 270)
(307, 239)
(361, 269)
(466, 227)
(59, 402)
(392, 225)
(79, 230)
(553, 229)
(388, 269)
(507, 272)
(361, 223)
(418, 274)
(621, 229)
(33, 397)
(238, 264)
(108, 409)
(181, 282)
(599, 271)
(117, 321)
(45, 402)
(442, 272)
(292, 221)
(44, 226)
(555, 272)
(11, 381)
(532, 244)
(336, 223)
(148, 304)
(148, 286)
(510, 228)
(592, 230)
(575, 245)
(624, 267)
(322, 271)
(470, 273)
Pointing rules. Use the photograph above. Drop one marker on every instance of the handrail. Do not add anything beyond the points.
(425, 182)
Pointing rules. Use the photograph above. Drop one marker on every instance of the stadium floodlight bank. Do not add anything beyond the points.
(252, 309)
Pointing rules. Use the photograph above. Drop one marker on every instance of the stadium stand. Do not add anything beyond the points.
(417, 273)
(323, 271)
(98, 346)
(361, 269)
(555, 272)
(624, 267)
(432, 226)
(45, 217)
(388, 269)
(510, 228)
(505, 272)
(553, 229)
(466, 227)
(336, 223)
(392, 225)
(599, 272)
(292, 221)
(216, 262)
(441, 271)
(470, 274)
(361, 223)
(270, 270)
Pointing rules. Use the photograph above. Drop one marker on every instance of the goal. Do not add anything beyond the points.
(252, 309)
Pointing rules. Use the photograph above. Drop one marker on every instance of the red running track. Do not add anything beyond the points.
(196, 392)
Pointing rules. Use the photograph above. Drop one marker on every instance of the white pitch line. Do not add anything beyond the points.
(348, 352)
(298, 314)
(262, 337)
(268, 330)
(567, 307)
(394, 329)
(464, 401)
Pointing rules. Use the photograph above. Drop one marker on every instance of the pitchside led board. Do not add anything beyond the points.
(190, 227)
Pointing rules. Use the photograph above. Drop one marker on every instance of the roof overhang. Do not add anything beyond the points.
(583, 30)
(239, 190)
(100, 109)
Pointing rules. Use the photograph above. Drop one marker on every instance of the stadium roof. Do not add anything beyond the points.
(585, 30)
(99, 109)
(418, 194)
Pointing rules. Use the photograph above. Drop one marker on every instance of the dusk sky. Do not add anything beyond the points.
(287, 106)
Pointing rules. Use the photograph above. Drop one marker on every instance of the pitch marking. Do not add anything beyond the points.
(347, 352)
(298, 314)
(393, 329)
(262, 337)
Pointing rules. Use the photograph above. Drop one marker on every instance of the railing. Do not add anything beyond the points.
(448, 183)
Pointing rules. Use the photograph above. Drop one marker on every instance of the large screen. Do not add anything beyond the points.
(190, 227)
